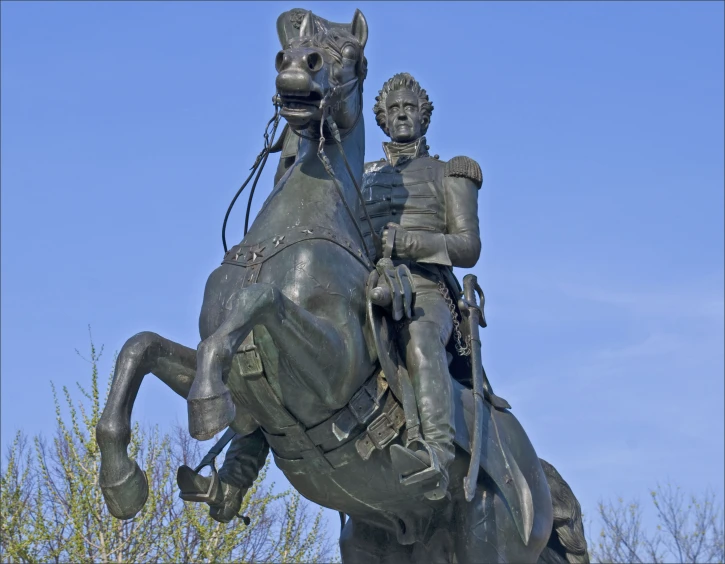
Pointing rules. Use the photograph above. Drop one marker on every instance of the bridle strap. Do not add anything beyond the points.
(325, 104)
(257, 167)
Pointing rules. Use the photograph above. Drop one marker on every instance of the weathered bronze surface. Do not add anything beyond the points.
(335, 335)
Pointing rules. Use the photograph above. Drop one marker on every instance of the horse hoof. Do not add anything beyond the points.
(126, 498)
(208, 416)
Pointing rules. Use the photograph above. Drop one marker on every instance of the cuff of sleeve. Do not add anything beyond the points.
(422, 247)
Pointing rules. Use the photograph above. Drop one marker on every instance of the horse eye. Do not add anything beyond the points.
(349, 52)
(278, 60)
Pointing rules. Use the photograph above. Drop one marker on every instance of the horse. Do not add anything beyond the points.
(292, 297)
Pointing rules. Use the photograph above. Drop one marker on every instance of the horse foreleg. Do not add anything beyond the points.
(315, 344)
(122, 482)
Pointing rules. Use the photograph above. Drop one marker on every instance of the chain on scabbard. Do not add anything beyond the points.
(461, 348)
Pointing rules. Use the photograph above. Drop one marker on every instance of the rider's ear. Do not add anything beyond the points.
(307, 27)
(360, 28)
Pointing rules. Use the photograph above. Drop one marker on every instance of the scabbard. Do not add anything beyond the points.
(472, 319)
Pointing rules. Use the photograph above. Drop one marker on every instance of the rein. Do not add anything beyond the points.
(338, 139)
(257, 167)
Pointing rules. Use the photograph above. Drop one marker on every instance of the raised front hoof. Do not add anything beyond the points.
(208, 416)
(125, 499)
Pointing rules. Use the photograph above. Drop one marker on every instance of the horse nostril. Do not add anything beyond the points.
(314, 62)
(278, 60)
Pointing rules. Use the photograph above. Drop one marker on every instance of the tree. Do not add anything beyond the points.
(690, 530)
(52, 508)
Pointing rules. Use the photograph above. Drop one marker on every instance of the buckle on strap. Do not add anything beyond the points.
(381, 432)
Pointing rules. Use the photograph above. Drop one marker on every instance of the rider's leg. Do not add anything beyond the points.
(424, 339)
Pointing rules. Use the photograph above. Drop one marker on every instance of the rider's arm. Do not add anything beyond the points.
(461, 245)
(462, 241)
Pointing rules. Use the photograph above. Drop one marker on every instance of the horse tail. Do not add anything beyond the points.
(567, 544)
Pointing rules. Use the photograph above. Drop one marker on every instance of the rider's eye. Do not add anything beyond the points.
(349, 52)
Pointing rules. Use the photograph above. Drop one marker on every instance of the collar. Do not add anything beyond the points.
(399, 153)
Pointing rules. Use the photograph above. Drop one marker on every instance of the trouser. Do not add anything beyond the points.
(424, 340)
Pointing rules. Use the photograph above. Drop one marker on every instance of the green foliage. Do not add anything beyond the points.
(690, 530)
(53, 510)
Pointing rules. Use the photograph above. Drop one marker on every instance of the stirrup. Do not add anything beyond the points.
(411, 469)
(191, 486)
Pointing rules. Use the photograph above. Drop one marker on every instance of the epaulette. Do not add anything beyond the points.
(466, 168)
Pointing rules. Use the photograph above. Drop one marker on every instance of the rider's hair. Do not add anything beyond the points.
(402, 81)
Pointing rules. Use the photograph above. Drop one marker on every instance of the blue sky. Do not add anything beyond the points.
(127, 128)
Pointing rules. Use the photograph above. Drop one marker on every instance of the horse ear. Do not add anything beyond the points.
(307, 27)
(360, 28)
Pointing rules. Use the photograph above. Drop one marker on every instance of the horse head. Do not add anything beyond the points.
(321, 68)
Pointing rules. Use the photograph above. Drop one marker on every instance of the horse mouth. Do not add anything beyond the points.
(300, 107)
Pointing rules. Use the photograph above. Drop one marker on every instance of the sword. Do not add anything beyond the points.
(474, 319)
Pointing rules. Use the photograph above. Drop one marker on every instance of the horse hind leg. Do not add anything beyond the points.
(122, 482)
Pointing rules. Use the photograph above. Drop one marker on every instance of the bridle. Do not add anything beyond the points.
(334, 96)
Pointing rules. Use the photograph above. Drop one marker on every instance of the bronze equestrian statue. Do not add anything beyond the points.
(298, 354)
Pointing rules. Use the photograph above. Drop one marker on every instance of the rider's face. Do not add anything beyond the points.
(403, 116)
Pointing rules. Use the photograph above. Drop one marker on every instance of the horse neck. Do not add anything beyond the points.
(306, 196)
(309, 182)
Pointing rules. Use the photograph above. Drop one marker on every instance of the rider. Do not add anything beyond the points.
(427, 210)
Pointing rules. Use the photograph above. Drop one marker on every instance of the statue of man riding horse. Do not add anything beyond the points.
(325, 339)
